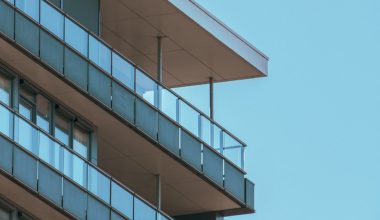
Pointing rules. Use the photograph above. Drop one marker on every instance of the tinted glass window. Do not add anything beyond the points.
(81, 141)
(62, 128)
(5, 90)
(25, 109)
(4, 214)
(43, 112)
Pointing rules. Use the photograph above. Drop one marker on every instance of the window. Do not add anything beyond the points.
(43, 112)
(5, 90)
(62, 128)
(4, 214)
(72, 133)
(26, 103)
(81, 141)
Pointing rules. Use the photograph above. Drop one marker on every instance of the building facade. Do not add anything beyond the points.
(90, 127)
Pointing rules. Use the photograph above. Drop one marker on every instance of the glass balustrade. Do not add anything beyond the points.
(95, 67)
(58, 162)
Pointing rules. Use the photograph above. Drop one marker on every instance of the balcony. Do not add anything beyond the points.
(63, 177)
(120, 88)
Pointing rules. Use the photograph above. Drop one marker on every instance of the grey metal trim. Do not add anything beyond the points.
(224, 34)
(106, 108)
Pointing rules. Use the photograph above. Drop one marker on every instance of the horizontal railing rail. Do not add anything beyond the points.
(210, 134)
(113, 63)
(125, 102)
(68, 163)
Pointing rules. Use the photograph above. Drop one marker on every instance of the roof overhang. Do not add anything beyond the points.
(196, 46)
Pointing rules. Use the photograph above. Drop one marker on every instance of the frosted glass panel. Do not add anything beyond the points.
(25, 168)
(6, 121)
(49, 184)
(26, 135)
(76, 37)
(189, 118)
(50, 151)
(122, 200)
(146, 87)
(168, 103)
(75, 168)
(100, 54)
(5, 88)
(7, 20)
(30, 7)
(99, 184)
(123, 70)
(52, 19)
(143, 211)
(97, 210)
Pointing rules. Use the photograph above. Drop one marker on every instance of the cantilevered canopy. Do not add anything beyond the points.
(196, 47)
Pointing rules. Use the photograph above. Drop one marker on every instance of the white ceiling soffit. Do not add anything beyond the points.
(196, 46)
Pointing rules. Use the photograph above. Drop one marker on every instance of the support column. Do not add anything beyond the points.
(159, 79)
(158, 191)
(159, 71)
(211, 98)
(159, 59)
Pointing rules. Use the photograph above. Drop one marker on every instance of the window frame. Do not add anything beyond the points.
(11, 86)
(55, 108)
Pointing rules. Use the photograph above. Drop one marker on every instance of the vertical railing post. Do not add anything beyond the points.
(211, 93)
(159, 71)
(242, 157)
(158, 191)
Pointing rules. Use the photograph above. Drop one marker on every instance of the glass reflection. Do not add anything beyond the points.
(206, 130)
(123, 70)
(50, 151)
(161, 217)
(168, 103)
(189, 118)
(99, 184)
(143, 211)
(217, 138)
(75, 168)
(26, 135)
(234, 155)
(232, 149)
(11, 1)
(81, 141)
(25, 109)
(62, 128)
(122, 200)
(30, 7)
(6, 121)
(5, 90)
(146, 87)
(52, 19)
(76, 37)
(100, 54)
(43, 113)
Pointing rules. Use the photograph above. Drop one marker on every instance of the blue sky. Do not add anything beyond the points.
(313, 125)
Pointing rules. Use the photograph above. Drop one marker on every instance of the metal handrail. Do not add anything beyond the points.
(89, 32)
(85, 160)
